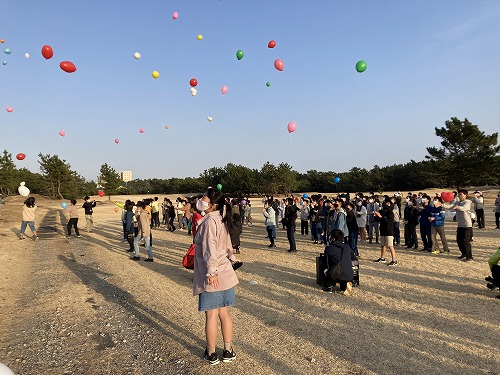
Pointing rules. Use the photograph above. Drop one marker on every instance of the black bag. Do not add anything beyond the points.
(355, 272)
(321, 266)
(336, 271)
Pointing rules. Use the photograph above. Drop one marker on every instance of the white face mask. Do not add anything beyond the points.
(410, 204)
(424, 200)
(371, 201)
(201, 205)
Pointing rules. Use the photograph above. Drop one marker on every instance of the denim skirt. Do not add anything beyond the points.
(215, 300)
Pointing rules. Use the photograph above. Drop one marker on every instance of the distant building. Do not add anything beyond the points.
(126, 176)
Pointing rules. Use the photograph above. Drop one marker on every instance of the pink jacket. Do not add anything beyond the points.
(213, 246)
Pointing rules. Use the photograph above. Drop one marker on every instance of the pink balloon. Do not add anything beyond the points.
(223, 89)
(279, 64)
(141, 130)
(175, 15)
(9, 109)
(62, 133)
(117, 141)
(292, 126)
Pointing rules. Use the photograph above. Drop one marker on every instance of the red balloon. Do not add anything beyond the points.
(100, 193)
(20, 156)
(279, 64)
(193, 82)
(68, 66)
(447, 196)
(271, 44)
(47, 52)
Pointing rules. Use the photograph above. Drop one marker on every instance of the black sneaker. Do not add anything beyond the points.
(490, 286)
(135, 258)
(489, 279)
(379, 260)
(149, 260)
(462, 258)
(292, 250)
(213, 358)
(393, 263)
(328, 289)
(228, 356)
(271, 246)
(130, 250)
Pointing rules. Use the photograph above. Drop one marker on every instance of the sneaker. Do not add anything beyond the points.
(436, 252)
(292, 250)
(271, 246)
(21, 238)
(393, 263)
(348, 290)
(79, 236)
(130, 250)
(490, 286)
(328, 289)
(68, 237)
(468, 260)
(213, 358)
(489, 279)
(135, 258)
(461, 258)
(35, 238)
(379, 260)
(149, 260)
(228, 356)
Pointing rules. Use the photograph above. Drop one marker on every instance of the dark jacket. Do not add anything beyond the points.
(411, 215)
(235, 233)
(333, 252)
(88, 207)
(290, 215)
(352, 224)
(425, 213)
(387, 221)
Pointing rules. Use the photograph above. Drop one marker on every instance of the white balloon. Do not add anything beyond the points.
(23, 190)
(209, 119)
(27, 55)
(4, 370)
(137, 55)
(193, 91)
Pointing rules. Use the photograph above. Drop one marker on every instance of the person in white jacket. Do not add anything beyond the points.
(361, 219)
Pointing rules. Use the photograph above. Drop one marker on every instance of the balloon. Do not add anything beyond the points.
(47, 52)
(155, 74)
(117, 141)
(447, 196)
(209, 119)
(27, 55)
(239, 54)
(193, 82)
(193, 91)
(141, 130)
(224, 89)
(292, 126)
(7, 51)
(100, 193)
(137, 55)
(62, 133)
(23, 190)
(336, 179)
(116, 209)
(9, 109)
(4, 62)
(166, 126)
(360, 66)
(199, 37)
(2, 40)
(271, 44)
(67, 66)
(20, 156)
(219, 186)
(175, 15)
(305, 196)
(279, 64)
(243, 202)
(268, 84)
(64, 205)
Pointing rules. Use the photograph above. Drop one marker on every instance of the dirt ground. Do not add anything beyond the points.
(80, 306)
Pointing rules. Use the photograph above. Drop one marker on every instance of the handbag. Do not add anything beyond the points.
(188, 260)
(336, 271)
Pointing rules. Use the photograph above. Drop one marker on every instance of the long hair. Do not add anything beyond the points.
(30, 202)
(217, 197)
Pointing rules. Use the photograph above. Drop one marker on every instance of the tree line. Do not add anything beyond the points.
(467, 156)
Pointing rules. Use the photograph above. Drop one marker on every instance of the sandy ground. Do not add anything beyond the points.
(80, 306)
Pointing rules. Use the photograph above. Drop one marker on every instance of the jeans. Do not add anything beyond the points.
(24, 224)
(270, 230)
(155, 219)
(90, 222)
(464, 235)
(425, 234)
(304, 227)
(290, 235)
(442, 235)
(372, 225)
(353, 241)
(147, 243)
(73, 222)
(125, 233)
(319, 231)
(397, 236)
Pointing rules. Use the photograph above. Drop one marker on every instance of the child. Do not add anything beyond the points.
(29, 210)
(235, 233)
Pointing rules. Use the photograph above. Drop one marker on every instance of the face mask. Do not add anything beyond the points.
(410, 204)
(407, 200)
(360, 204)
(424, 200)
(202, 205)
(371, 201)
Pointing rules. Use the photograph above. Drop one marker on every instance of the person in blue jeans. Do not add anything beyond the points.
(352, 227)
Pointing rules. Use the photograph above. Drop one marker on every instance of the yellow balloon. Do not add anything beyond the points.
(199, 37)
(155, 74)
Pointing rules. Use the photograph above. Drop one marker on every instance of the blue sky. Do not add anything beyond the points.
(427, 61)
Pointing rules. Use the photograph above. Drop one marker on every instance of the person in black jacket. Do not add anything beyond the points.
(289, 222)
(386, 216)
(235, 233)
(411, 220)
(88, 206)
(352, 227)
(338, 251)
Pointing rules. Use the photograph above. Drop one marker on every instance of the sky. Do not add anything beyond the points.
(427, 61)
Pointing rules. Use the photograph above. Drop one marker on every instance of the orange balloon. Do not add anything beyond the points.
(2, 40)
(116, 209)
(166, 126)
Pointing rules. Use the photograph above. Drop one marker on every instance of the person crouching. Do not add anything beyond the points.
(339, 252)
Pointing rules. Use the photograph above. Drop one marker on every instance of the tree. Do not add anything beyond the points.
(287, 178)
(60, 180)
(8, 174)
(269, 179)
(110, 179)
(467, 154)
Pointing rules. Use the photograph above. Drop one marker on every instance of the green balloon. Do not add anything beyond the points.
(268, 84)
(361, 66)
(219, 186)
(239, 54)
